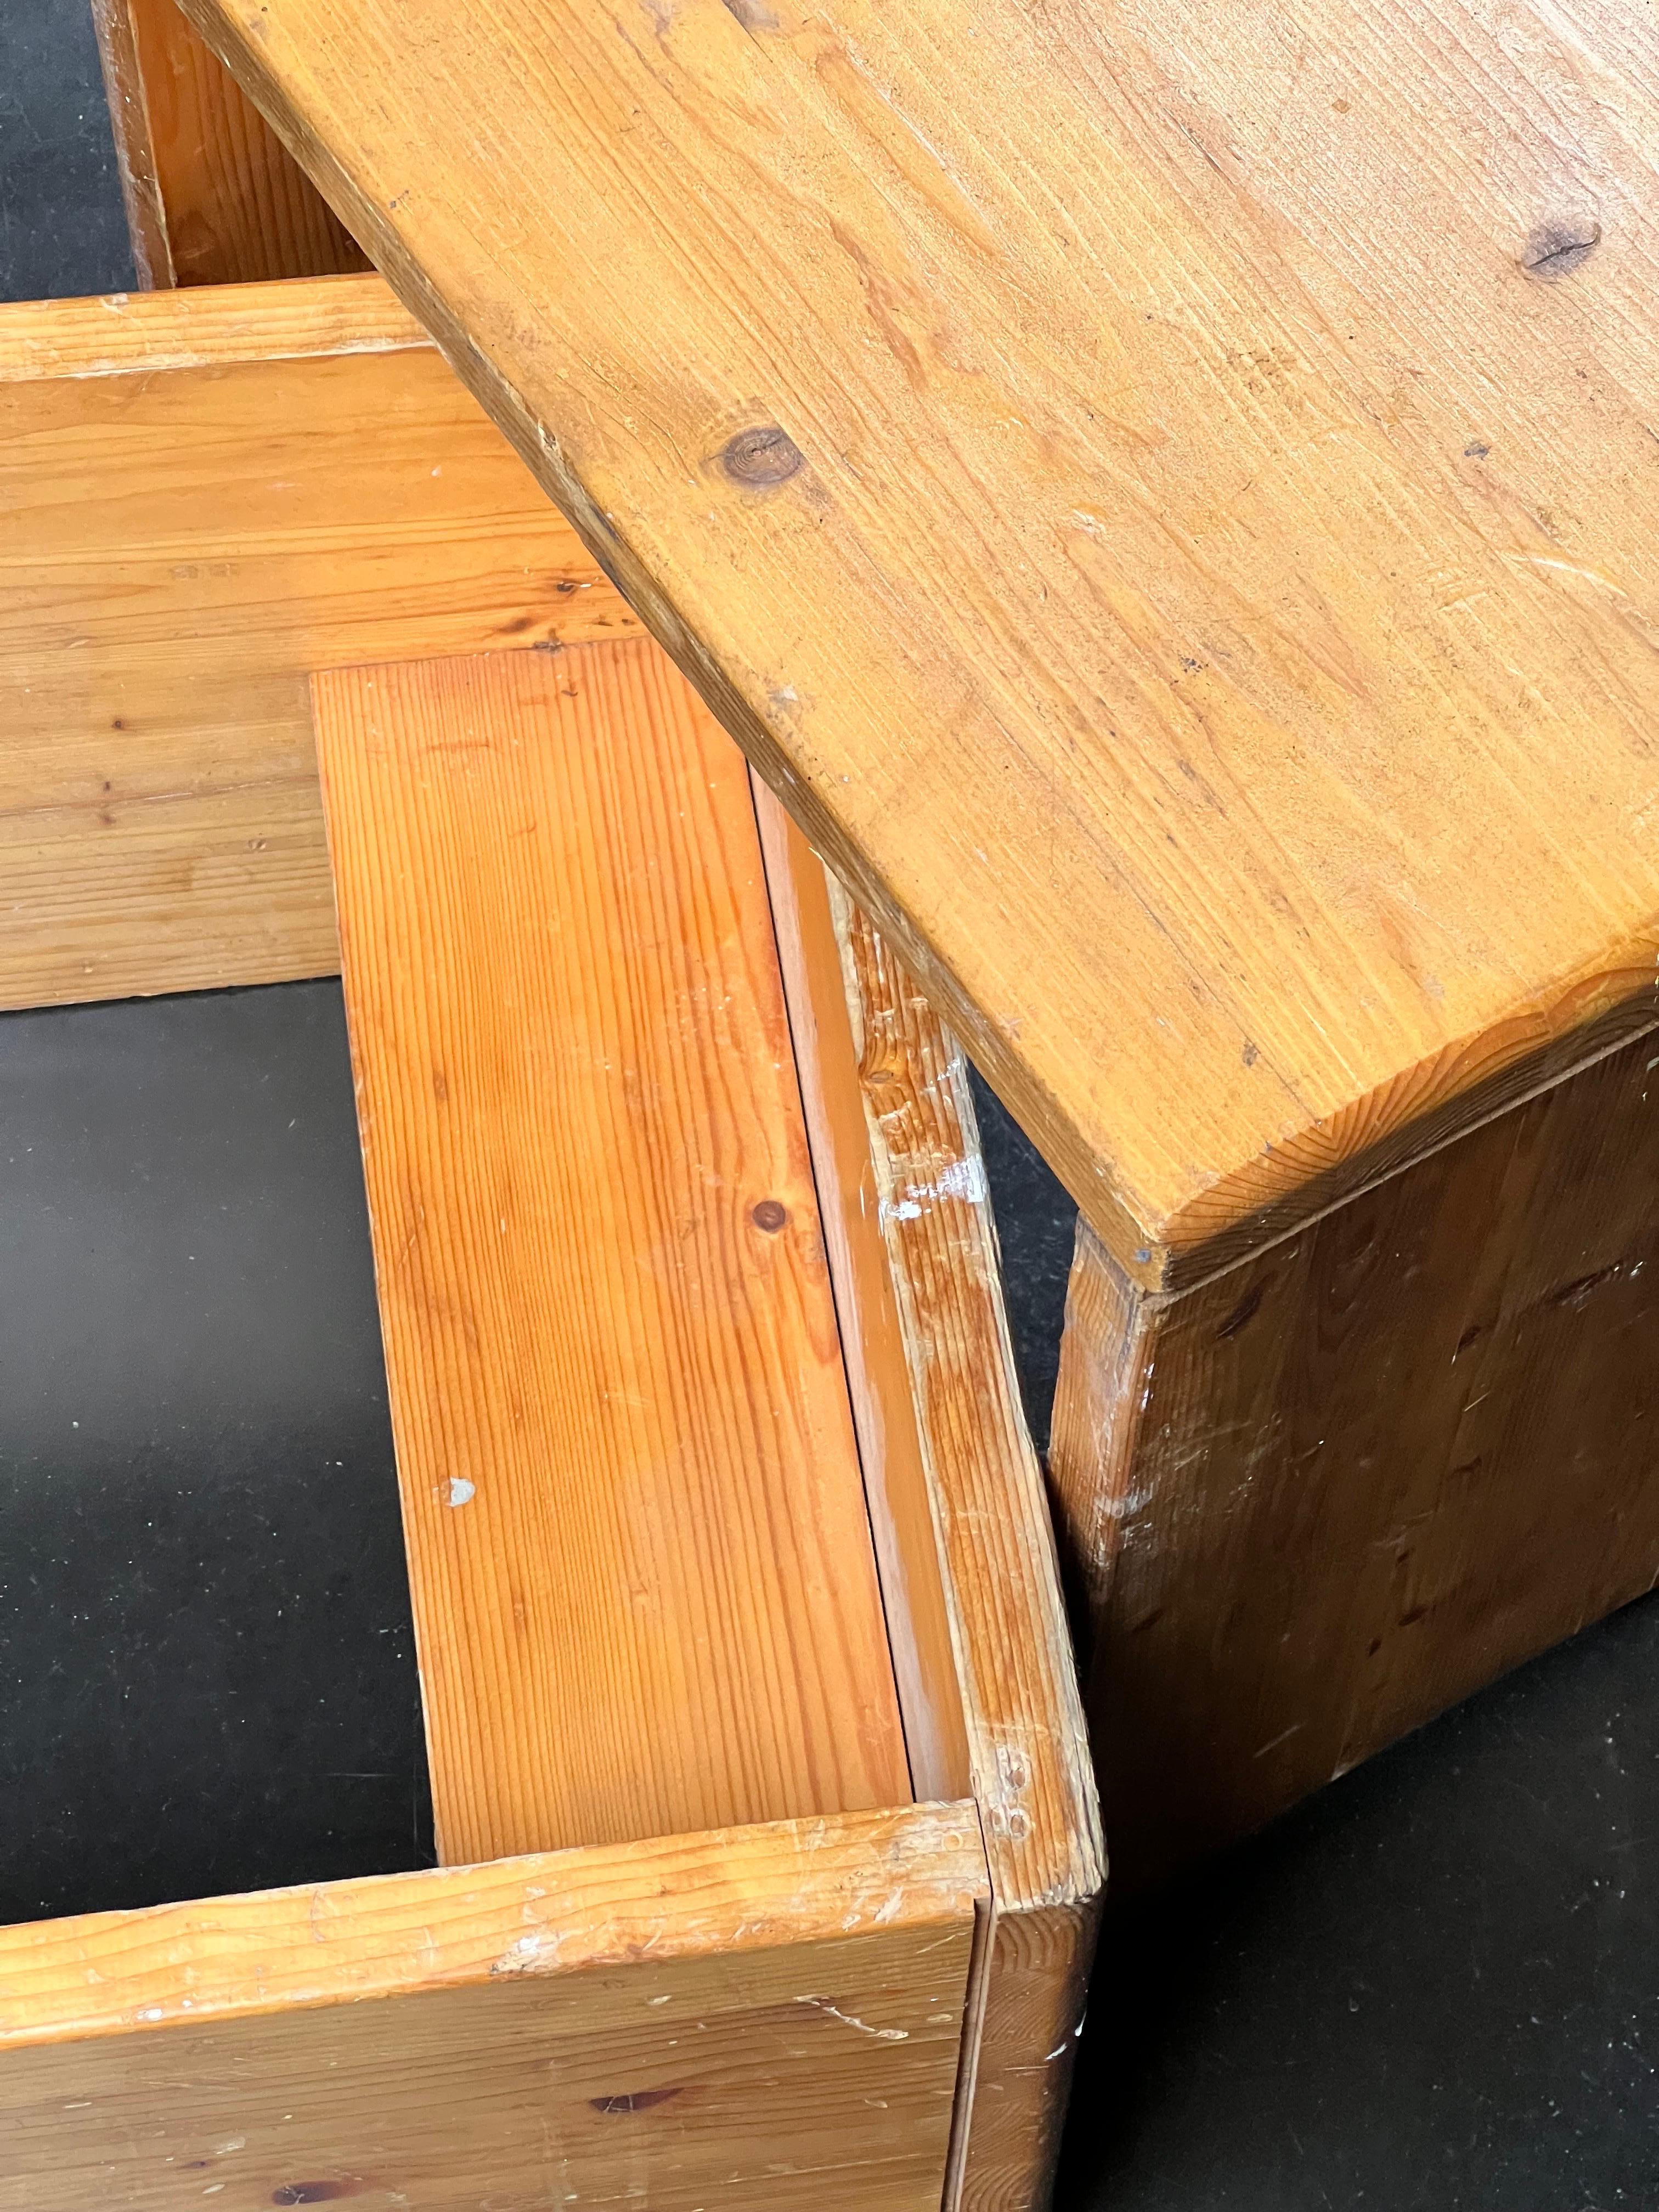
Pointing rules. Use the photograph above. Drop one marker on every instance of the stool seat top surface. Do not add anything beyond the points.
(1168, 493)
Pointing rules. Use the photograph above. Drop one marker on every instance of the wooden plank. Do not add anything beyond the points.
(644, 1592)
(1331, 1493)
(1135, 563)
(139, 334)
(751, 2019)
(212, 197)
(897, 1478)
(947, 1450)
(1029, 1751)
(202, 497)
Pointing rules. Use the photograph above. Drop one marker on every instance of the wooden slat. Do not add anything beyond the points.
(141, 334)
(212, 195)
(1029, 1751)
(202, 497)
(758, 2020)
(947, 1451)
(898, 1475)
(1326, 1495)
(1211, 635)
(644, 1591)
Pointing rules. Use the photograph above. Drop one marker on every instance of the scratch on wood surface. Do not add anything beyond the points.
(847, 2019)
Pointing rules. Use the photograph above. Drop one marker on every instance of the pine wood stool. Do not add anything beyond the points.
(1166, 495)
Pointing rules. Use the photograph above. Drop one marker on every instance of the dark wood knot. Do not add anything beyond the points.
(760, 457)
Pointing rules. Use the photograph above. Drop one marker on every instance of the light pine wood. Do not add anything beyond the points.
(221, 326)
(1210, 632)
(947, 1452)
(753, 2020)
(644, 1592)
(212, 195)
(204, 496)
(1334, 1491)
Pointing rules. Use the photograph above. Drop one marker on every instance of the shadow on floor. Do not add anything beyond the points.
(1434, 1988)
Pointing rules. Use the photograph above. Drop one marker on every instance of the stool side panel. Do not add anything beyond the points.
(736, 2018)
(645, 1595)
(909, 1186)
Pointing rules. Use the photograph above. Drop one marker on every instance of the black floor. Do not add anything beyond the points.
(1435, 1988)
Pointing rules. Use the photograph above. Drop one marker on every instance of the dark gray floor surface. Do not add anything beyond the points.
(1435, 1988)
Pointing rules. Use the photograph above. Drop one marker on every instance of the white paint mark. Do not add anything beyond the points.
(964, 1179)
(905, 1209)
(461, 1491)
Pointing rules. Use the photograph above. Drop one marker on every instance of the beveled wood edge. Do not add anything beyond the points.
(873, 1347)
(765, 1887)
(1536, 1049)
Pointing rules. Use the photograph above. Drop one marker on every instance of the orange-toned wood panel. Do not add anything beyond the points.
(212, 195)
(1331, 1493)
(765, 2021)
(640, 1556)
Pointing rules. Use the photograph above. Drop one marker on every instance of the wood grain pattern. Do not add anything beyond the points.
(644, 1592)
(750, 2019)
(202, 497)
(212, 197)
(898, 1477)
(1029, 1752)
(1340, 1488)
(918, 1281)
(221, 326)
(1211, 634)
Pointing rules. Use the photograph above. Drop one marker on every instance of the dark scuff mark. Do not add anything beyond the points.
(1557, 247)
